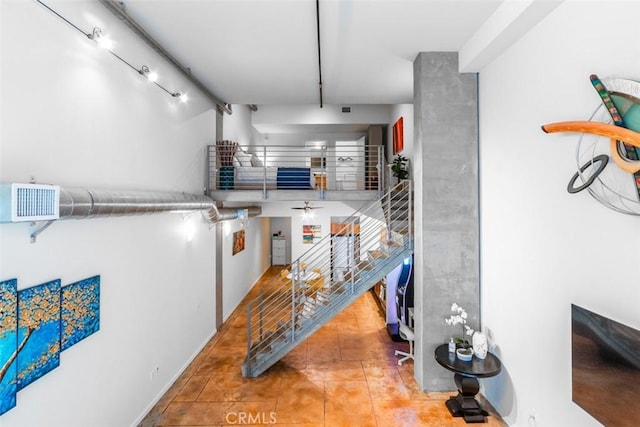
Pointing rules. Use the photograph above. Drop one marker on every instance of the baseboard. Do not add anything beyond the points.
(166, 388)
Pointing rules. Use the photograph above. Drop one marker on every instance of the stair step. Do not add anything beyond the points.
(323, 297)
(392, 242)
(366, 266)
(377, 253)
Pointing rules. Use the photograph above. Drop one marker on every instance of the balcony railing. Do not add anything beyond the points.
(280, 167)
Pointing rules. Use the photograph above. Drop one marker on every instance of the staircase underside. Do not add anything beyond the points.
(277, 343)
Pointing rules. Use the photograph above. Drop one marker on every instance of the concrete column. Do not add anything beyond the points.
(445, 168)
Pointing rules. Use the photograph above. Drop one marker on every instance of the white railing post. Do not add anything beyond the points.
(351, 256)
(295, 276)
(409, 216)
(323, 171)
(381, 180)
(249, 337)
(264, 171)
(260, 316)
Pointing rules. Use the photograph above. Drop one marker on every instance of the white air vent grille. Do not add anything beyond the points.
(29, 202)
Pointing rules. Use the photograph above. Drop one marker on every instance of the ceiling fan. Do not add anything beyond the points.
(306, 208)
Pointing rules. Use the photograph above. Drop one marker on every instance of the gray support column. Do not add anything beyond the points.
(446, 196)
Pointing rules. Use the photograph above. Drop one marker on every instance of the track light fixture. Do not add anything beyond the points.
(101, 40)
(152, 76)
(182, 97)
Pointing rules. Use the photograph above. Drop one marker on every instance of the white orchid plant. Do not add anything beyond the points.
(459, 318)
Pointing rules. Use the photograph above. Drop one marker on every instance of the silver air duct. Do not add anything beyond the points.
(216, 214)
(42, 202)
(84, 203)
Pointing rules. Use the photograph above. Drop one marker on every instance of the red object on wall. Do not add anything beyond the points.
(398, 143)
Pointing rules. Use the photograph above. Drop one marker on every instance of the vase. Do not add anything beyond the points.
(479, 344)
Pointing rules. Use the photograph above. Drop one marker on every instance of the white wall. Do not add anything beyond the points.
(74, 115)
(268, 116)
(542, 248)
(321, 217)
(242, 270)
(237, 126)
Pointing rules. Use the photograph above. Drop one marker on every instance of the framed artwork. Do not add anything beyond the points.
(311, 233)
(398, 141)
(38, 331)
(8, 344)
(80, 305)
(238, 242)
(307, 235)
(36, 324)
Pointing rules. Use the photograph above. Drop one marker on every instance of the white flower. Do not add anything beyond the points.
(460, 318)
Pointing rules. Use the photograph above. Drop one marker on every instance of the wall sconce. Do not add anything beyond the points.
(189, 227)
(345, 159)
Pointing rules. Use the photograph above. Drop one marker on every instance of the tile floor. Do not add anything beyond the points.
(346, 374)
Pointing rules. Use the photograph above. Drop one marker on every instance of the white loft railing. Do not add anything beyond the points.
(280, 167)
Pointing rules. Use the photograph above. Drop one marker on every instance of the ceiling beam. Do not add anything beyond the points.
(118, 9)
(512, 20)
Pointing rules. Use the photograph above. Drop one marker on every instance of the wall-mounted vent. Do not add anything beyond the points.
(346, 109)
(29, 202)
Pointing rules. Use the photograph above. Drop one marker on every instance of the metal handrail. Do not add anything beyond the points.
(274, 167)
(318, 276)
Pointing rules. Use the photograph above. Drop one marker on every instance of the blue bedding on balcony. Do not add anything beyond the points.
(294, 179)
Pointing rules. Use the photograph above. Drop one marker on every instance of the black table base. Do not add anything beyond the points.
(466, 376)
(464, 404)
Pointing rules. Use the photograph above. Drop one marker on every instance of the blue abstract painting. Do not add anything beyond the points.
(8, 344)
(80, 304)
(38, 331)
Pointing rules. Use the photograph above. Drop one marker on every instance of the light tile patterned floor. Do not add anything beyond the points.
(346, 374)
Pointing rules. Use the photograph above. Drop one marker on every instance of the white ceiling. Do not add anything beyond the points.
(265, 51)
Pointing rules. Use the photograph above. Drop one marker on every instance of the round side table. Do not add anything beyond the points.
(466, 376)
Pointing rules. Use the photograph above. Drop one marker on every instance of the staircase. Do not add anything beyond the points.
(329, 277)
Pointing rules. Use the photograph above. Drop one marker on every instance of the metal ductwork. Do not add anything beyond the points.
(85, 203)
(40, 202)
(216, 214)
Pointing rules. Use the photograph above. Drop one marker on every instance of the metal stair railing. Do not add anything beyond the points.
(330, 275)
(322, 168)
